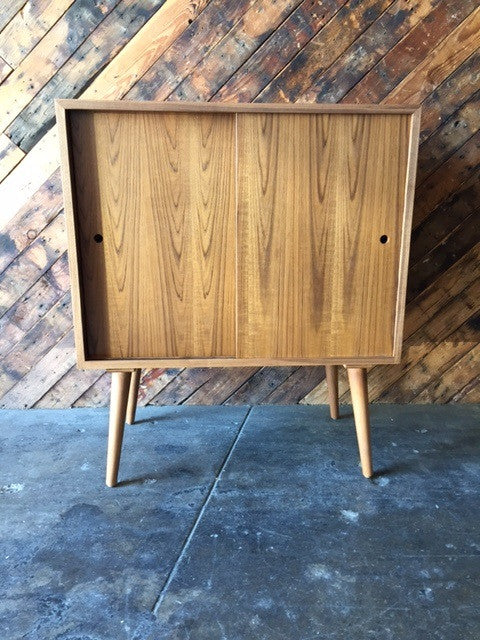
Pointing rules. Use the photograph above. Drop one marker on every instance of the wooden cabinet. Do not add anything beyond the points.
(225, 235)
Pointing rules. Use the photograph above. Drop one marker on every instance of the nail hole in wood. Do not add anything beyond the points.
(384, 239)
(98, 238)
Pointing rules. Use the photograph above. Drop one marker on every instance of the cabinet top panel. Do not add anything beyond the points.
(214, 107)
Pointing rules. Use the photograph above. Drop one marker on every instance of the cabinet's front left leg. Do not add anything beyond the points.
(331, 372)
(133, 396)
(118, 408)
(357, 377)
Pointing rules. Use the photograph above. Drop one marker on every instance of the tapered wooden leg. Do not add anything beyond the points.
(332, 384)
(118, 408)
(358, 387)
(133, 395)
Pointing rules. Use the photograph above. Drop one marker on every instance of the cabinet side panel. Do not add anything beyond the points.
(155, 220)
(316, 195)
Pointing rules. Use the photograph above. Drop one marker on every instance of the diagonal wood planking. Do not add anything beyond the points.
(374, 51)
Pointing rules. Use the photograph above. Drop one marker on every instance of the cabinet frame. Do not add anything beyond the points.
(64, 107)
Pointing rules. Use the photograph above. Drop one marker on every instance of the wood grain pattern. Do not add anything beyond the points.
(317, 45)
(270, 234)
(316, 194)
(162, 198)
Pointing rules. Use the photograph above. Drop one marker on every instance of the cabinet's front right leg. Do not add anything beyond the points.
(357, 377)
(118, 408)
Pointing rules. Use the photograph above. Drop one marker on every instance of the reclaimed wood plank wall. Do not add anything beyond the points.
(389, 51)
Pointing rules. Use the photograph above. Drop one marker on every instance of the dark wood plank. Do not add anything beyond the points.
(219, 386)
(31, 220)
(34, 304)
(453, 246)
(312, 61)
(406, 54)
(92, 55)
(30, 265)
(441, 324)
(205, 31)
(277, 51)
(366, 51)
(449, 137)
(28, 26)
(254, 27)
(445, 218)
(296, 386)
(68, 389)
(182, 386)
(469, 393)
(442, 389)
(47, 370)
(447, 179)
(450, 95)
(35, 344)
(435, 362)
(97, 395)
(49, 55)
(440, 62)
(260, 385)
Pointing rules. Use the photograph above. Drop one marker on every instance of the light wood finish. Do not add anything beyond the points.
(118, 408)
(133, 396)
(331, 372)
(406, 234)
(161, 195)
(357, 378)
(153, 363)
(316, 195)
(173, 318)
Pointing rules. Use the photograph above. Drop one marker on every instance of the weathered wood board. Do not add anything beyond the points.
(335, 50)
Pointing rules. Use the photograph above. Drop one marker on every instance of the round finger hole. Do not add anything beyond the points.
(98, 238)
(384, 239)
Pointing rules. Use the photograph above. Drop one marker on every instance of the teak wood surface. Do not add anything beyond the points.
(237, 234)
(161, 194)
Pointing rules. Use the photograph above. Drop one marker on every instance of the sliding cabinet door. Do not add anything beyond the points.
(320, 209)
(155, 196)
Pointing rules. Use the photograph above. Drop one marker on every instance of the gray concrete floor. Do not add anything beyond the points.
(237, 524)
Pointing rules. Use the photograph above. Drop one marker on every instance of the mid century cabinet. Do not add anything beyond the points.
(237, 235)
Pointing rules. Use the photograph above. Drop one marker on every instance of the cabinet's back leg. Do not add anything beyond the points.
(133, 396)
(332, 385)
(357, 378)
(118, 408)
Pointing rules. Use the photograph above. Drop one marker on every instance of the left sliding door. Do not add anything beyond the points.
(155, 201)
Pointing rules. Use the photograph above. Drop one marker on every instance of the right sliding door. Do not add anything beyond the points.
(320, 211)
